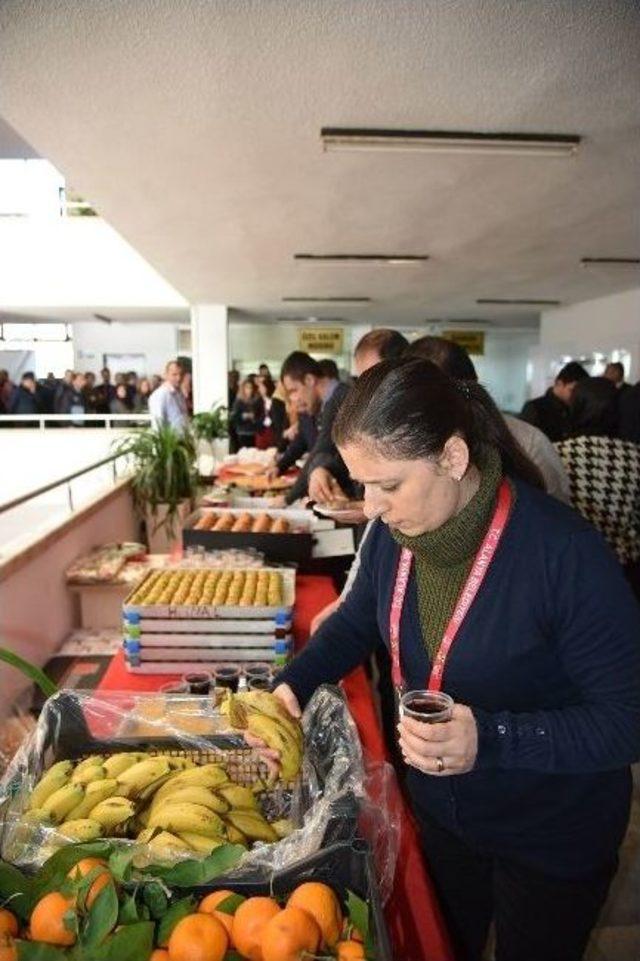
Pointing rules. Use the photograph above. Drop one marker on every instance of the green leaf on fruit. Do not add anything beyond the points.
(134, 942)
(38, 951)
(195, 872)
(120, 863)
(102, 917)
(15, 890)
(231, 904)
(53, 872)
(358, 911)
(129, 910)
(176, 913)
(155, 897)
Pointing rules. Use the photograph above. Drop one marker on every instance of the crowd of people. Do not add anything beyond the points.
(83, 393)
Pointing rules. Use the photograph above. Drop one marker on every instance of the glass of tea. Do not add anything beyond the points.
(199, 682)
(227, 675)
(430, 707)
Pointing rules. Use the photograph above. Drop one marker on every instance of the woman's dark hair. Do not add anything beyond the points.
(268, 384)
(410, 408)
(594, 408)
(447, 355)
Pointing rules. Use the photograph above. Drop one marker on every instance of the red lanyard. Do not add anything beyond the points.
(465, 600)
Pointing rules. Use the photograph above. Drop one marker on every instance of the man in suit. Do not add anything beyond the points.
(316, 391)
(551, 413)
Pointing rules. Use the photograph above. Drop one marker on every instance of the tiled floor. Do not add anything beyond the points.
(617, 937)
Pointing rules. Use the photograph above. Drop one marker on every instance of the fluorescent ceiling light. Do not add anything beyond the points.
(363, 258)
(452, 141)
(326, 300)
(502, 302)
(610, 261)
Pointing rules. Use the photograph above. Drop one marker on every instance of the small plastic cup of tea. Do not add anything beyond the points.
(259, 684)
(257, 670)
(175, 687)
(430, 707)
(199, 682)
(227, 675)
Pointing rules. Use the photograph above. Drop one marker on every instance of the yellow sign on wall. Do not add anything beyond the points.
(471, 340)
(321, 340)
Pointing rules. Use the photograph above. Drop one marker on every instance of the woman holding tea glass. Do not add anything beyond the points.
(489, 591)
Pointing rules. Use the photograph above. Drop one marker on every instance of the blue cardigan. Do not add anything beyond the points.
(548, 658)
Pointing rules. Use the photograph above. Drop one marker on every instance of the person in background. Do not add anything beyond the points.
(46, 391)
(105, 392)
(604, 471)
(25, 399)
(120, 379)
(614, 371)
(324, 475)
(131, 381)
(550, 413)
(456, 362)
(7, 389)
(379, 344)
(233, 386)
(120, 402)
(246, 414)
(263, 371)
(167, 404)
(629, 411)
(187, 391)
(156, 381)
(73, 399)
(141, 400)
(64, 389)
(522, 793)
(274, 415)
(91, 394)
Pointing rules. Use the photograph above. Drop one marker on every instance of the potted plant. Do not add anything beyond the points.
(210, 427)
(164, 480)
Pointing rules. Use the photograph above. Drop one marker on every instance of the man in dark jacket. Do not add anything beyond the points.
(25, 399)
(73, 401)
(550, 413)
(314, 392)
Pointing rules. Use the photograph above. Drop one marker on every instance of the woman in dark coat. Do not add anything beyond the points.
(486, 588)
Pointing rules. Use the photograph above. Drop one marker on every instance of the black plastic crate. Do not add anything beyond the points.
(281, 548)
(347, 866)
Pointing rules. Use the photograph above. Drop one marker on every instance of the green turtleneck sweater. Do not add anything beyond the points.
(443, 558)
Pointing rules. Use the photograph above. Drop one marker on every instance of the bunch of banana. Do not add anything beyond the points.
(169, 803)
(264, 716)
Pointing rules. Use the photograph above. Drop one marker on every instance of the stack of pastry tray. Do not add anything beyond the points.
(171, 639)
(293, 545)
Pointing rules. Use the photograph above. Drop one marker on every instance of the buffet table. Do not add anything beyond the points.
(412, 913)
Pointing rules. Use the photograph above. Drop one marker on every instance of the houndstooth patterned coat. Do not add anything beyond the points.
(604, 474)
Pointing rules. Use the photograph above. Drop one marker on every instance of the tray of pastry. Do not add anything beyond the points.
(199, 594)
(281, 535)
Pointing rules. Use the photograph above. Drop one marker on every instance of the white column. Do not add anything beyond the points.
(210, 350)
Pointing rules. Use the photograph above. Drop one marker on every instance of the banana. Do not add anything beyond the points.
(269, 704)
(178, 763)
(208, 775)
(150, 790)
(278, 739)
(236, 837)
(135, 779)
(165, 842)
(95, 792)
(59, 804)
(112, 812)
(145, 836)
(82, 829)
(252, 824)
(193, 794)
(118, 763)
(94, 760)
(199, 843)
(88, 774)
(187, 817)
(284, 827)
(238, 796)
(55, 778)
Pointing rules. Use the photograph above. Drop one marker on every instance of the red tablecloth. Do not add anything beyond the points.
(415, 924)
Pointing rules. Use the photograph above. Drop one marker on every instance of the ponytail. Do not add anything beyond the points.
(409, 408)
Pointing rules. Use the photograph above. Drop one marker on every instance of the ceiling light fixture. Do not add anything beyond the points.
(449, 141)
(610, 261)
(326, 300)
(499, 301)
(363, 258)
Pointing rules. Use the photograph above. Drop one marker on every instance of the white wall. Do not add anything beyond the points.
(253, 344)
(91, 340)
(606, 325)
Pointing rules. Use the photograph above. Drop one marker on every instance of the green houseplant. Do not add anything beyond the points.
(164, 474)
(211, 424)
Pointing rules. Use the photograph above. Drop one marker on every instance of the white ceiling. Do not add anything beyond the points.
(194, 126)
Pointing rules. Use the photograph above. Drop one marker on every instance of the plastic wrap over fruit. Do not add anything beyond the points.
(169, 779)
